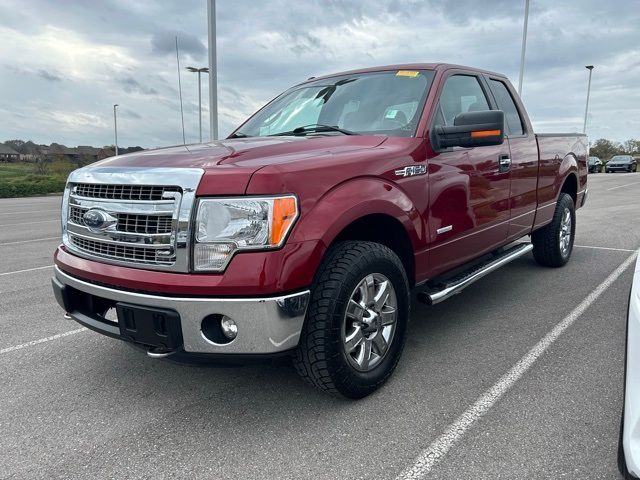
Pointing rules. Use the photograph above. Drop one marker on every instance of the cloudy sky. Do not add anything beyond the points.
(64, 63)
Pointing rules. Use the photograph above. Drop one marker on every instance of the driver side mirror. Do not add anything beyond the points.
(472, 129)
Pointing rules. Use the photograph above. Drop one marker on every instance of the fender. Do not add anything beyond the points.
(548, 195)
(568, 166)
(355, 199)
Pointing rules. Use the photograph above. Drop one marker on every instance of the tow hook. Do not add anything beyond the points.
(155, 352)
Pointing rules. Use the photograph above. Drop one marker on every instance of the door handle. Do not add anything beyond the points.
(504, 162)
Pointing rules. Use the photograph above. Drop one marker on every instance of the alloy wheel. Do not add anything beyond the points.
(565, 233)
(370, 322)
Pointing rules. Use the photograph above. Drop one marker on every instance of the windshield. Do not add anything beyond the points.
(386, 103)
(620, 159)
(593, 160)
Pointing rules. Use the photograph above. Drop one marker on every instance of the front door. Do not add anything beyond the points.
(468, 187)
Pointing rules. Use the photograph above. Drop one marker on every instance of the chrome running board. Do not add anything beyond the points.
(449, 287)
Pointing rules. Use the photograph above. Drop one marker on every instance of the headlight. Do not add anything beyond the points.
(227, 225)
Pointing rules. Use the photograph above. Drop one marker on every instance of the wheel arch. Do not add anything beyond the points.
(386, 230)
(367, 209)
(570, 187)
(568, 178)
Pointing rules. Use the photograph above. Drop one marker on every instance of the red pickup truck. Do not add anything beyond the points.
(305, 231)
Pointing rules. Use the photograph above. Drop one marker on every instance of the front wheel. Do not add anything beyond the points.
(553, 243)
(356, 322)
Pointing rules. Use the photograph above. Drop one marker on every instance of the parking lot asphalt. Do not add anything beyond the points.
(75, 404)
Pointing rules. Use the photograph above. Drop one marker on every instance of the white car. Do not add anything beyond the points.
(629, 445)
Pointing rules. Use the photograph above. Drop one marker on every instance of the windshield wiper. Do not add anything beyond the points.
(239, 135)
(314, 128)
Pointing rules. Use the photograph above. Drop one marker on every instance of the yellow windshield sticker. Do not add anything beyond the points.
(407, 73)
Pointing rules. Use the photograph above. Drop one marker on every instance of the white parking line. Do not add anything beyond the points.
(29, 211)
(605, 248)
(430, 457)
(41, 340)
(622, 186)
(30, 223)
(25, 270)
(30, 241)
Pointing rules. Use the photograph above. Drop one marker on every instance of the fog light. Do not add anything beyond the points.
(229, 328)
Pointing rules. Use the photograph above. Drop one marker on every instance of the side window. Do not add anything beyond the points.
(507, 105)
(461, 93)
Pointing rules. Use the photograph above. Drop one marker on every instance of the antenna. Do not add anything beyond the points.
(184, 141)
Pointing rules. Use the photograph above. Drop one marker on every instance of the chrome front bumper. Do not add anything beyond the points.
(265, 325)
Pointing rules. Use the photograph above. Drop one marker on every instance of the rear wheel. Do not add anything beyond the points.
(356, 322)
(553, 244)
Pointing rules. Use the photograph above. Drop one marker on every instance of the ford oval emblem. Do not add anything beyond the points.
(98, 220)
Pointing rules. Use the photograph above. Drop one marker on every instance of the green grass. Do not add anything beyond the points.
(23, 179)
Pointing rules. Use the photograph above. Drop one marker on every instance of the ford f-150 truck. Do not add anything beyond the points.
(305, 231)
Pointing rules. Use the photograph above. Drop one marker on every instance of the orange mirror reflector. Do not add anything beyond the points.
(486, 133)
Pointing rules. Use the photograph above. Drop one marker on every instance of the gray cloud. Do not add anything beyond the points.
(48, 75)
(128, 113)
(164, 42)
(131, 85)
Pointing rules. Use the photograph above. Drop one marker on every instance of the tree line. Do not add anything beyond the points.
(605, 149)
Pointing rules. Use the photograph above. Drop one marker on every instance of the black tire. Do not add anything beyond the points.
(546, 241)
(320, 358)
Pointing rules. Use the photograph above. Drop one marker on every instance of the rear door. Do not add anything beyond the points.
(524, 158)
(469, 190)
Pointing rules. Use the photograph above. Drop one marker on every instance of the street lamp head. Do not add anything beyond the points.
(196, 70)
(115, 105)
(589, 67)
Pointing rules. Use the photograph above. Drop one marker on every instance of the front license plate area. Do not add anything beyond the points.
(155, 327)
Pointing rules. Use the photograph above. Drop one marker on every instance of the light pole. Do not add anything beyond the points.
(115, 126)
(586, 108)
(213, 70)
(199, 71)
(524, 45)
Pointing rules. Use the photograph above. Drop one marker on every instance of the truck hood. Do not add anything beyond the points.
(253, 152)
(229, 164)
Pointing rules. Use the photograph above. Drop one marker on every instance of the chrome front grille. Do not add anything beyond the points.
(119, 252)
(144, 224)
(123, 192)
(130, 222)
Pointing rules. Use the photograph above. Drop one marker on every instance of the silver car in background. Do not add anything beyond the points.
(629, 445)
(621, 163)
